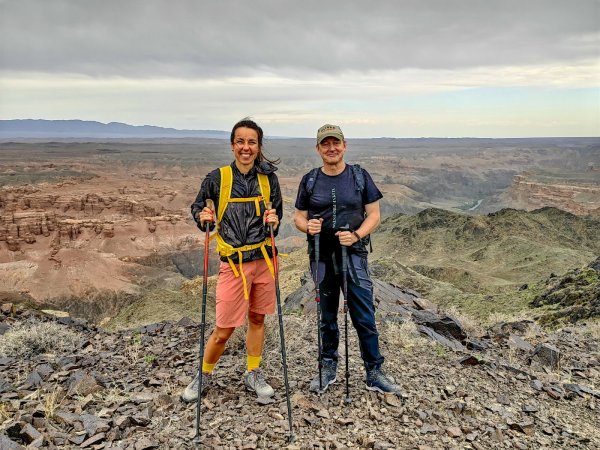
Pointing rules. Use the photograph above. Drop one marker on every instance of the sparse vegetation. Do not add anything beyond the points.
(133, 347)
(483, 264)
(471, 325)
(29, 339)
(113, 396)
(592, 329)
(5, 413)
(402, 335)
(52, 401)
(440, 350)
(157, 305)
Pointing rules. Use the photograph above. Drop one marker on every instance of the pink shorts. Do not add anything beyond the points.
(232, 307)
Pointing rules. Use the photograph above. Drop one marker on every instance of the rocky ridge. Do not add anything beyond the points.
(573, 297)
(520, 388)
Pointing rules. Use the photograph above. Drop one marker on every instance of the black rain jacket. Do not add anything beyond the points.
(240, 225)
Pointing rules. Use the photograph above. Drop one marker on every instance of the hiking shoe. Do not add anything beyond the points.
(255, 382)
(378, 381)
(190, 393)
(327, 376)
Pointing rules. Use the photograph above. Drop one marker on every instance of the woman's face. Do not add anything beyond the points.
(245, 148)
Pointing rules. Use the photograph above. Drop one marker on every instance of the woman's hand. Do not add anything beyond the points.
(206, 215)
(271, 218)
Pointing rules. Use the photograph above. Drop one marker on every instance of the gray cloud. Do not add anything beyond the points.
(197, 39)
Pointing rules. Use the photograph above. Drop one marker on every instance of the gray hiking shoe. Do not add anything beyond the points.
(378, 381)
(190, 393)
(255, 382)
(327, 376)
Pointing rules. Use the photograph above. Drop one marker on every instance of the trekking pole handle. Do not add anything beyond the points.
(268, 206)
(210, 205)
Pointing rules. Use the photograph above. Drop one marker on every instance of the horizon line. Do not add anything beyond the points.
(188, 130)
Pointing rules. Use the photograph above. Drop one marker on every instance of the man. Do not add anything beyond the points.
(330, 198)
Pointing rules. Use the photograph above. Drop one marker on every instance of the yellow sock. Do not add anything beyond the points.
(253, 362)
(208, 368)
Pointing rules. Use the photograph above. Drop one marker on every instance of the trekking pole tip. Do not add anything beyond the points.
(347, 400)
(291, 438)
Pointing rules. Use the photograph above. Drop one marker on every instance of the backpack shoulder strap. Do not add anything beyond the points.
(359, 177)
(224, 190)
(265, 187)
(312, 179)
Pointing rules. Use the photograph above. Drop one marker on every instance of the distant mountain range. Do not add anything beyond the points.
(40, 128)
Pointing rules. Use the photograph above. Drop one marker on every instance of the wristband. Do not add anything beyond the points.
(357, 236)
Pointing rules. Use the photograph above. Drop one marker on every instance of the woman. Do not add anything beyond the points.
(245, 284)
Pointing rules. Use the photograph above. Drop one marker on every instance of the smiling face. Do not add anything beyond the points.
(245, 148)
(331, 150)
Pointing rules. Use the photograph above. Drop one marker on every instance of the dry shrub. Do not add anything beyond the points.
(471, 325)
(32, 338)
(133, 347)
(5, 412)
(113, 396)
(52, 401)
(402, 335)
(501, 317)
(592, 330)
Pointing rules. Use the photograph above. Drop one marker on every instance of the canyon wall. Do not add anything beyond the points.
(580, 199)
(27, 213)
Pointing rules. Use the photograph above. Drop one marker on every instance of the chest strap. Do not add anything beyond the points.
(227, 184)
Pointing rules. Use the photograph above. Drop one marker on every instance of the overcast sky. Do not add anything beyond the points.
(378, 68)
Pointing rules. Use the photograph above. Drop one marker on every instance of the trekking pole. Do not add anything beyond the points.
(269, 205)
(197, 438)
(318, 302)
(345, 292)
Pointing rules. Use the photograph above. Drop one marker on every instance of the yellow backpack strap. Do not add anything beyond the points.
(265, 187)
(225, 190)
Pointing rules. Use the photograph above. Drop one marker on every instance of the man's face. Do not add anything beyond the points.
(331, 150)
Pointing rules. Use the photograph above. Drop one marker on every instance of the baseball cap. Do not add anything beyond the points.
(329, 130)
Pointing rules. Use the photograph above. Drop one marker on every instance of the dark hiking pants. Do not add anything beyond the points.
(360, 307)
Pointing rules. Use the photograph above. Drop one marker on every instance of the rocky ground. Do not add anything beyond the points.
(82, 387)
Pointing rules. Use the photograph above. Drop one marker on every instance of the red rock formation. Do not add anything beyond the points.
(581, 199)
(28, 212)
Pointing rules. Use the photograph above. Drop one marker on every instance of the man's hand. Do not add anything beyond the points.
(347, 238)
(314, 226)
